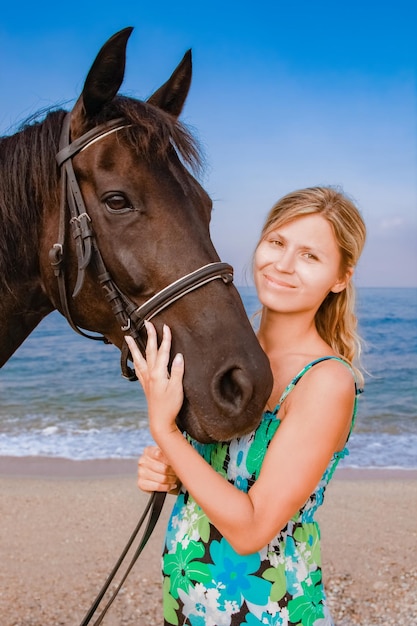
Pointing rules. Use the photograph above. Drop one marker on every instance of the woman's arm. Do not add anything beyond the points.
(317, 415)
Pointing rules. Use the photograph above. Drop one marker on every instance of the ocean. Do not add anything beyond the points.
(63, 396)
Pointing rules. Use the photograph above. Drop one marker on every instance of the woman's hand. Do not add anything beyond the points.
(164, 392)
(154, 472)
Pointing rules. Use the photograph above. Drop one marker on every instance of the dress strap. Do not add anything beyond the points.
(307, 367)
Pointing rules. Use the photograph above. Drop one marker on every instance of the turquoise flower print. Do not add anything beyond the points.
(171, 538)
(257, 451)
(202, 606)
(308, 541)
(170, 604)
(204, 449)
(183, 568)
(295, 569)
(308, 607)
(234, 577)
(187, 523)
(236, 470)
(234, 573)
(242, 484)
(197, 620)
(309, 509)
(194, 523)
(266, 619)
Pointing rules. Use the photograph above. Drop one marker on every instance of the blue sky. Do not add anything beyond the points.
(284, 95)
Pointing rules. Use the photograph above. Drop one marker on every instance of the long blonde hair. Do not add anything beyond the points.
(336, 321)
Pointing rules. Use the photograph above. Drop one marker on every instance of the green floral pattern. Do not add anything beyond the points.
(206, 583)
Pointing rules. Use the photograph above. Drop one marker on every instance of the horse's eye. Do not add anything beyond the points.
(117, 202)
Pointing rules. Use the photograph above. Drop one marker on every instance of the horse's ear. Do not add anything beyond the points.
(103, 80)
(172, 95)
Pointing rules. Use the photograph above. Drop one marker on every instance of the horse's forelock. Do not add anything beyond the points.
(158, 132)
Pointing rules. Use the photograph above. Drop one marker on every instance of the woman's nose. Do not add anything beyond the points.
(285, 261)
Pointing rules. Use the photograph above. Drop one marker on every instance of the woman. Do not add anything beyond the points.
(242, 546)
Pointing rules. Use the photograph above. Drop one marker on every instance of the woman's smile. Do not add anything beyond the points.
(277, 283)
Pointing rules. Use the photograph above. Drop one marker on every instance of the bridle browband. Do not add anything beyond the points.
(130, 316)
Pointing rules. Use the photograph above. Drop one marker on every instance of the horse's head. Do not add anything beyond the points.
(147, 224)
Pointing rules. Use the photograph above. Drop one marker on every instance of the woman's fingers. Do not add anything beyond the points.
(150, 485)
(140, 364)
(151, 344)
(154, 461)
(156, 359)
(177, 369)
(143, 365)
(134, 350)
(154, 474)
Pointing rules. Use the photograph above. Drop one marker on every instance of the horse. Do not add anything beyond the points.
(104, 220)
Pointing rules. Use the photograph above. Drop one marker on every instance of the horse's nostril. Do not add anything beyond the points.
(232, 390)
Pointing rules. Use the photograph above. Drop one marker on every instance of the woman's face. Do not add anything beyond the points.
(297, 264)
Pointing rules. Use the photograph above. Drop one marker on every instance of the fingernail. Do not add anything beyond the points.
(178, 359)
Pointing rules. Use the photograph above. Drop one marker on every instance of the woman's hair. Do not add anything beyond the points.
(336, 320)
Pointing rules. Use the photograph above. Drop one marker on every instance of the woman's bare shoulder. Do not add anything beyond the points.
(329, 383)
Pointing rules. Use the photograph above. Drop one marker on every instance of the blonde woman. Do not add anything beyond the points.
(242, 545)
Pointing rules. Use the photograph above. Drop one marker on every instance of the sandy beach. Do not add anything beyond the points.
(64, 524)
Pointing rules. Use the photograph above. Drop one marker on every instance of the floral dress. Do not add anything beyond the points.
(206, 583)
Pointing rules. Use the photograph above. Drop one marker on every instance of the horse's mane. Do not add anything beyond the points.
(29, 173)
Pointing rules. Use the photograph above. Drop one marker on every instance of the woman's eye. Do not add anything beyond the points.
(118, 202)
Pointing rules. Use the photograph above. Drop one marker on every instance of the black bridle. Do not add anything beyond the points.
(130, 316)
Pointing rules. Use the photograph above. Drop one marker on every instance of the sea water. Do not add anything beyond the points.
(62, 395)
